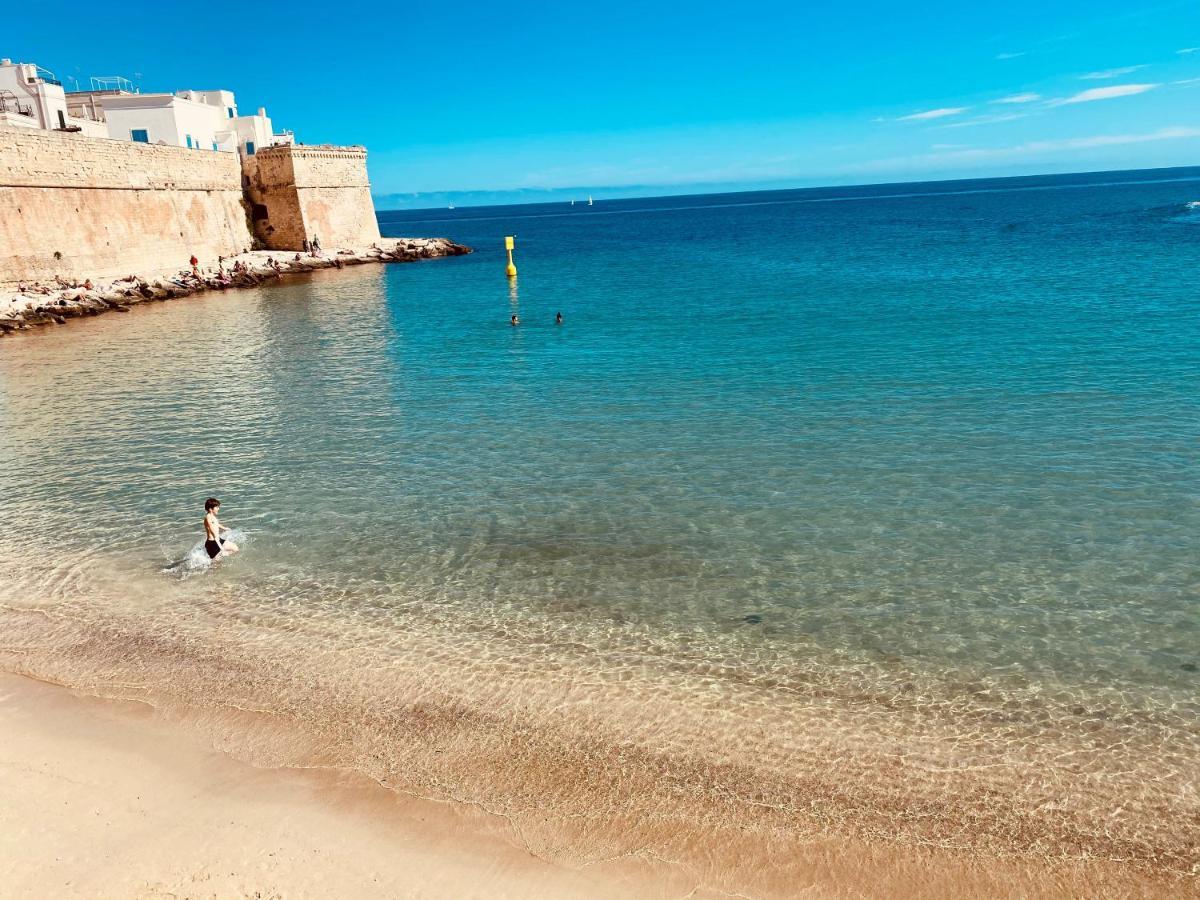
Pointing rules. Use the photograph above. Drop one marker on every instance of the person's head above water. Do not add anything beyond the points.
(558, 318)
(513, 320)
(212, 504)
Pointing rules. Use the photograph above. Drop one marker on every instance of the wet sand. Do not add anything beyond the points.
(112, 798)
(102, 799)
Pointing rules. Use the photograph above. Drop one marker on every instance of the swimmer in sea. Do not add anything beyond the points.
(558, 318)
(514, 320)
(214, 545)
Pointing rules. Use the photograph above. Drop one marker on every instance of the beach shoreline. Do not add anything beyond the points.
(105, 798)
(57, 303)
(822, 592)
(111, 793)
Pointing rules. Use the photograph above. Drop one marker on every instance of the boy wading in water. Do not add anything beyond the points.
(214, 546)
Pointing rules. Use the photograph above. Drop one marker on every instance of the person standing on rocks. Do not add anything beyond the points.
(195, 266)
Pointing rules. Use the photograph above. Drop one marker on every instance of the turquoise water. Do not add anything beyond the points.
(958, 426)
(919, 461)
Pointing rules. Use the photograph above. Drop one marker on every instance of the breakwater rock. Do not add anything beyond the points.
(29, 305)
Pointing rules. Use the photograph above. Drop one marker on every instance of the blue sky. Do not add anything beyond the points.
(515, 99)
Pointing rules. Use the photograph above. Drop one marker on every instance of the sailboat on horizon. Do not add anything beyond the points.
(589, 199)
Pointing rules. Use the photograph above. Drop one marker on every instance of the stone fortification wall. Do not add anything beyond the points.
(94, 208)
(299, 192)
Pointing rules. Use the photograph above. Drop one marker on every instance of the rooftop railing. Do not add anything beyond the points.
(46, 75)
(113, 83)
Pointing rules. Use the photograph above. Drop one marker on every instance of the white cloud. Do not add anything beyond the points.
(1110, 73)
(970, 156)
(1083, 143)
(934, 114)
(1187, 50)
(1105, 93)
(1019, 98)
(1010, 55)
(1187, 81)
(987, 120)
(949, 146)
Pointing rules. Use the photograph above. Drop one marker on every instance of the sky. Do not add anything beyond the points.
(488, 102)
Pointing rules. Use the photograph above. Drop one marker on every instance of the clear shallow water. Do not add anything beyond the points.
(904, 481)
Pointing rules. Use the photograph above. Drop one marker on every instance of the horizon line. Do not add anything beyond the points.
(697, 189)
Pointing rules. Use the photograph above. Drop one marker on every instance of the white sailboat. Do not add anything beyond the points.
(589, 199)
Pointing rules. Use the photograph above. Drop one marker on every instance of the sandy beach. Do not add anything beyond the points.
(110, 798)
(102, 799)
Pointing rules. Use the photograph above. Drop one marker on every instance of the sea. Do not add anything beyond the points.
(866, 514)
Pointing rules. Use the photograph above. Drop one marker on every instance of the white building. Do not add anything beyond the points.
(205, 120)
(31, 97)
(167, 119)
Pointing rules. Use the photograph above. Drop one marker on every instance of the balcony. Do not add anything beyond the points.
(10, 104)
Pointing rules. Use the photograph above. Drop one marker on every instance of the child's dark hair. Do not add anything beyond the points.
(211, 503)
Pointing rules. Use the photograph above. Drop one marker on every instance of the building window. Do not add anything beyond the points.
(140, 136)
(189, 141)
(249, 148)
(229, 109)
(214, 145)
(62, 122)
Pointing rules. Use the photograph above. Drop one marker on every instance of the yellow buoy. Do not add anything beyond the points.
(510, 270)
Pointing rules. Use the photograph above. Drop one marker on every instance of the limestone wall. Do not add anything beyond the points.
(110, 208)
(300, 191)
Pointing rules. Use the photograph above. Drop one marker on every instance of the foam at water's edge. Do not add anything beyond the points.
(197, 558)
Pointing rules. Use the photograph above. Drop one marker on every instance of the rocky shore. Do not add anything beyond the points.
(30, 305)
